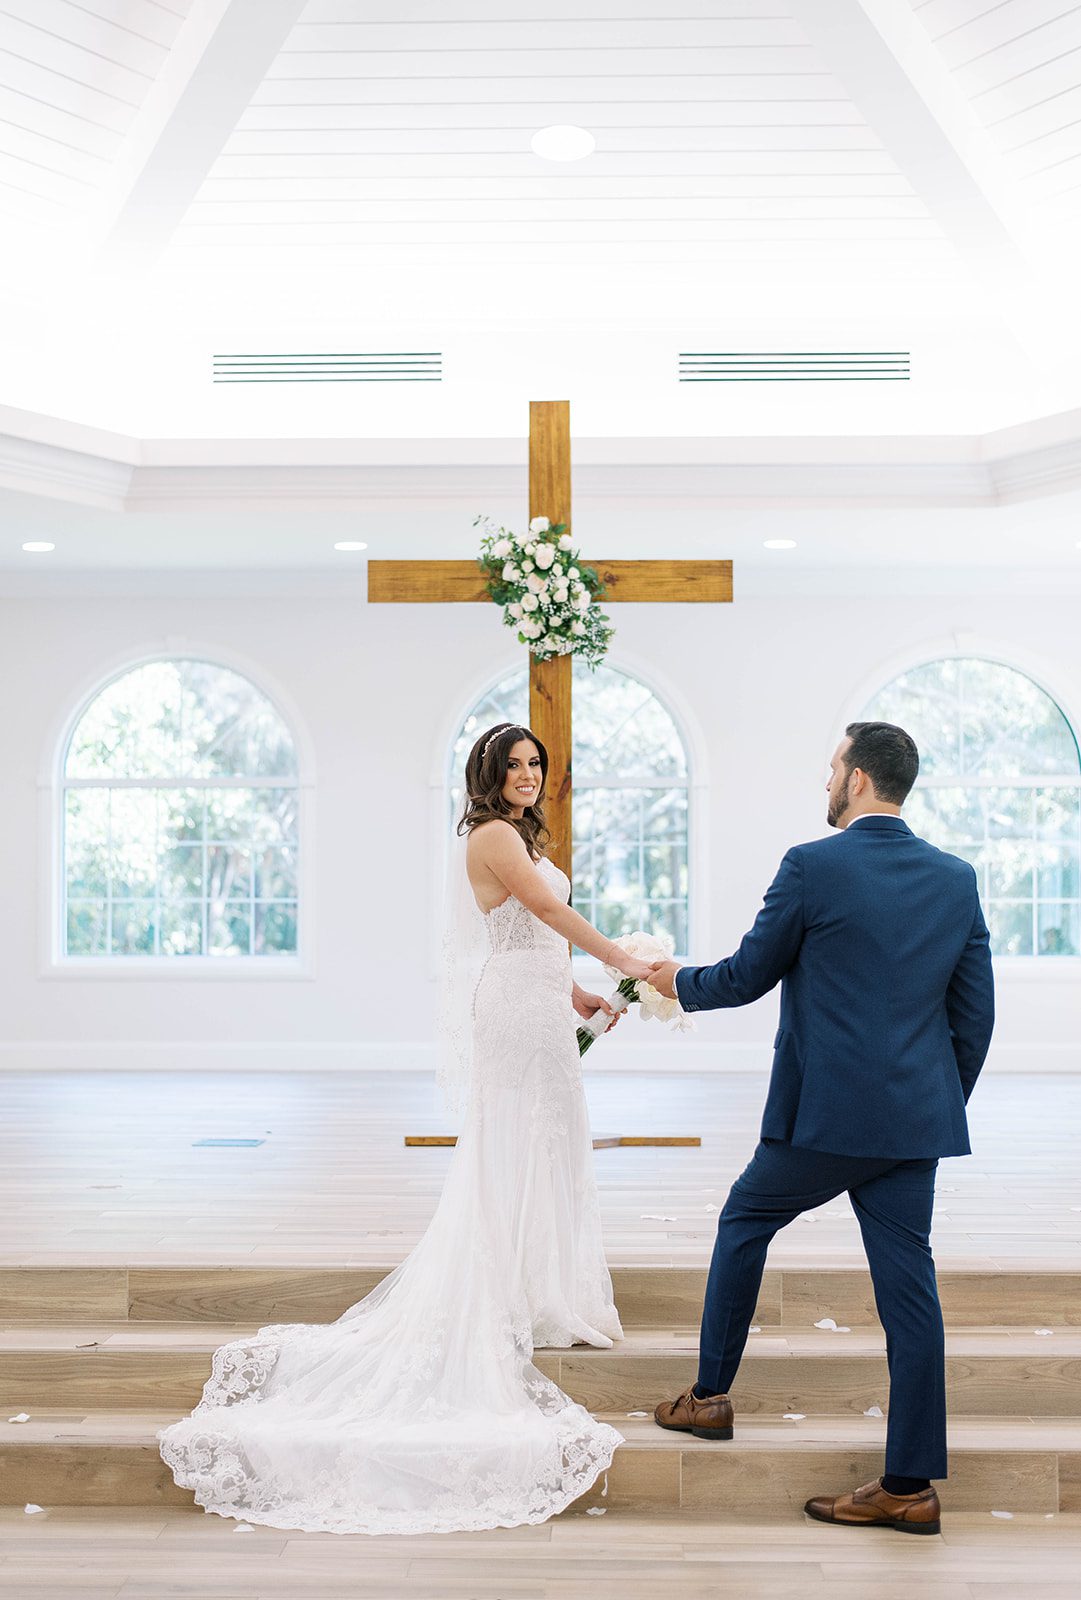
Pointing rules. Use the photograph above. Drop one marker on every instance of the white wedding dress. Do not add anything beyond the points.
(419, 1410)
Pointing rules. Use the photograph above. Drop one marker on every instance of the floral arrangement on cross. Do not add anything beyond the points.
(547, 592)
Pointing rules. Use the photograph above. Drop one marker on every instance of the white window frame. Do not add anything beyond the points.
(963, 645)
(54, 963)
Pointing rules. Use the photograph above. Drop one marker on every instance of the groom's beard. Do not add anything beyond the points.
(837, 807)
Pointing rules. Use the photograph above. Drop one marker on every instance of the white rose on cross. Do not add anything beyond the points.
(530, 602)
(539, 525)
(501, 549)
(544, 556)
(566, 542)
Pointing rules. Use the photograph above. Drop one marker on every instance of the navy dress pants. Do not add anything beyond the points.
(893, 1201)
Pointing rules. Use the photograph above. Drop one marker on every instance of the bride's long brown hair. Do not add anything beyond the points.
(485, 775)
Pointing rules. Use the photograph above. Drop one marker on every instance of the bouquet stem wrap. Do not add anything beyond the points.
(589, 1032)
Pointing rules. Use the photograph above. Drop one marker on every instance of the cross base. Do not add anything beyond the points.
(635, 1141)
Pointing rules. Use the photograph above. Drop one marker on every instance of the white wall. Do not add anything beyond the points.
(765, 683)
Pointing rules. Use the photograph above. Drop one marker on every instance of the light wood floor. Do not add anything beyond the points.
(102, 1167)
(91, 1554)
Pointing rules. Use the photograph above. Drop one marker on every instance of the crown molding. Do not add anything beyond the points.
(46, 458)
(55, 472)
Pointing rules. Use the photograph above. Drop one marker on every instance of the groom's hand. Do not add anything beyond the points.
(663, 978)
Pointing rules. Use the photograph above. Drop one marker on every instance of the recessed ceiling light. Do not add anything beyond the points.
(350, 544)
(779, 544)
(38, 546)
(564, 142)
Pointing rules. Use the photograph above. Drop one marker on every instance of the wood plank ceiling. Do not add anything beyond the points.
(72, 80)
(405, 128)
(1018, 64)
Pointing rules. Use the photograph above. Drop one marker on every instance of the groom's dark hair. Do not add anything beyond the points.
(887, 754)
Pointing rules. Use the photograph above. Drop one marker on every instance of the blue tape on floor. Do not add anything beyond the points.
(246, 1142)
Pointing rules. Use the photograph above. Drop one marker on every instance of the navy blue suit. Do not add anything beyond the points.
(887, 1006)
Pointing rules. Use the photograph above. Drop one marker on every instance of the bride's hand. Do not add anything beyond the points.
(587, 1005)
(630, 966)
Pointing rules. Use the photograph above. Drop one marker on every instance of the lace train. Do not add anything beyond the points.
(420, 1410)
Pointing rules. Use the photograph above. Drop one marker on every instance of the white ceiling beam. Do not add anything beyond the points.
(221, 56)
(883, 58)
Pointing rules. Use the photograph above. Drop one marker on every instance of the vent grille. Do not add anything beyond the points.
(794, 366)
(384, 366)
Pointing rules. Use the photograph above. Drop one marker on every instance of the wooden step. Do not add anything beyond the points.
(647, 1296)
(992, 1372)
(771, 1467)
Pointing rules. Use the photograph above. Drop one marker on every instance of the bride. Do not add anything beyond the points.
(419, 1410)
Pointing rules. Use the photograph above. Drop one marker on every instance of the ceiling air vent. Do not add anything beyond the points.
(384, 366)
(794, 366)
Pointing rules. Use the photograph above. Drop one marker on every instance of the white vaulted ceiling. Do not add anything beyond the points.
(1018, 66)
(72, 81)
(185, 178)
(721, 137)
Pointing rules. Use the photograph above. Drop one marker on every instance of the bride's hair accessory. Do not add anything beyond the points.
(498, 734)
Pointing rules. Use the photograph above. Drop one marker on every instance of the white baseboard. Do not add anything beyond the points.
(669, 1054)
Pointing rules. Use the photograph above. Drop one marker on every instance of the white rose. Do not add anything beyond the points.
(565, 541)
(527, 566)
(545, 556)
(581, 601)
(532, 629)
(579, 628)
(530, 602)
(501, 549)
(572, 573)
(510, 573)
(557, 569)
(561, 592)
(536, 584)
(515, 609)
(539, 525)
(530, 548)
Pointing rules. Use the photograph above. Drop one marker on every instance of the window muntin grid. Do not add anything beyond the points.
(1000, 785)
(631, 799)
(180, 820)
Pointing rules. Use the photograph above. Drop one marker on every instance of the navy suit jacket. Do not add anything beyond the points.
(887, 998)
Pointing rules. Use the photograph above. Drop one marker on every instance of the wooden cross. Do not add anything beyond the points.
(457, 582)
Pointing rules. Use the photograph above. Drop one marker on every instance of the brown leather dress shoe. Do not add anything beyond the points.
(872, 1507)
(706, 1419)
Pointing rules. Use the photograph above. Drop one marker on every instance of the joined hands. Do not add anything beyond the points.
(662, 977)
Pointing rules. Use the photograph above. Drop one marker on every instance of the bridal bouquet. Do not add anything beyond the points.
(546, 591)
(637, 991)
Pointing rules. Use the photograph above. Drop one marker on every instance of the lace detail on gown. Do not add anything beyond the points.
(420, 1410)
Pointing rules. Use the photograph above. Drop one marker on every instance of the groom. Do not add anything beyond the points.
(887, 1005)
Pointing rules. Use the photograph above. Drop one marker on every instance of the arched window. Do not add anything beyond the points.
(180, 819)
(1000, 784)
(630, 822)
